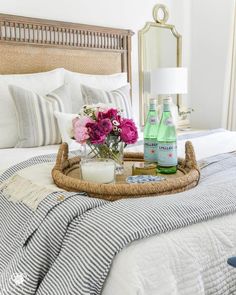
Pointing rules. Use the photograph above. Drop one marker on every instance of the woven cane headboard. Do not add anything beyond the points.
(29, 45)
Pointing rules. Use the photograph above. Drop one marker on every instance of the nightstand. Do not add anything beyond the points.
(182, 131)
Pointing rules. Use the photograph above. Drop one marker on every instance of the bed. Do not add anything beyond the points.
(68, 245)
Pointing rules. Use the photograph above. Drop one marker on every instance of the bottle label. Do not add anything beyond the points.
(152, 120)
(169, 122)
(150, 150)
(167, 154)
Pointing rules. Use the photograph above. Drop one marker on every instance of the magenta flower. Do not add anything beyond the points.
(102, 108)
(96, 134)
(106, 122)
(111, 114)
(129, 132)
(105, 125)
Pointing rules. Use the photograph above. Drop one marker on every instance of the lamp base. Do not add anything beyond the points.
(183, 123)
(184, 118)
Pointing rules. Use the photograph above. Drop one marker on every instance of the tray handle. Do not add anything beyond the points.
(62, 156)
(190, 158)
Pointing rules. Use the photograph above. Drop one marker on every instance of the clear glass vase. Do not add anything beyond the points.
(112, 149)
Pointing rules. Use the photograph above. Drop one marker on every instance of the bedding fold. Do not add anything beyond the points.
(20, 189)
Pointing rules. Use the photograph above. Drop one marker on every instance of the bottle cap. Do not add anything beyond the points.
(153, 101)
(167, 99)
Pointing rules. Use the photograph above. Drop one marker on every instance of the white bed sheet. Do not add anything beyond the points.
(171, 263)
(9, 157)
(205, 146)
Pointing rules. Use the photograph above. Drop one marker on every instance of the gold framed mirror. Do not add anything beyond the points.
(160, 45)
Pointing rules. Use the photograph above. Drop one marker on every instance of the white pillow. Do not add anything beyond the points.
(41, 83)
(118, 98)
(65, 125)
(37, 125)
(104, 82)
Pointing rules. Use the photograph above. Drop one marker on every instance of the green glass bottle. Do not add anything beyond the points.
(167, 141)
(150, 133)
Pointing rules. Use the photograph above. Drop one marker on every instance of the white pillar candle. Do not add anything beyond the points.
(98, 170)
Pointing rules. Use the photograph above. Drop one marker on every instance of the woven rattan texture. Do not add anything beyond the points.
(30, 45)
(66, 176)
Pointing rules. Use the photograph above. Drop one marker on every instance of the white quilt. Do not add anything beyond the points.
(171, 263)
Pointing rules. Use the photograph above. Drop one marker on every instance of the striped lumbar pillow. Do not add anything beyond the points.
(119, 98)
(37, 125)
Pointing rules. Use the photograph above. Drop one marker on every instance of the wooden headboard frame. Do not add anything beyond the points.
(30, 45)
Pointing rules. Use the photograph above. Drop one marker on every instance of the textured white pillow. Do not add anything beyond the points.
(104, 82)
(41, 83)
(118, 98)
(65, 125)
(37, 125)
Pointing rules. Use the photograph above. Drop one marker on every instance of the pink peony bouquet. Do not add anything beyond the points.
(104, 130)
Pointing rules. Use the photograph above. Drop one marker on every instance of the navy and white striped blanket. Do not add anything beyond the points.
(67, 246)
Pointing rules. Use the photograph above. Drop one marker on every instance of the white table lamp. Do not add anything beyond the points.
(168, 81)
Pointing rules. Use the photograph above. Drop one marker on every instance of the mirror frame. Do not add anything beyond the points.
(159, 23)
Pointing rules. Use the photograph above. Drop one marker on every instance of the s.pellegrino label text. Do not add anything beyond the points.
(150, 150)
(167, 154)
(153, 120)
(150, 133)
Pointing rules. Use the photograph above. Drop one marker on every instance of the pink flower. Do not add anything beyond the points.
(75, 122)
(129, 132)
(81, 134)
(105, 125)
(81, 122)
(96, 134)
(80, 130)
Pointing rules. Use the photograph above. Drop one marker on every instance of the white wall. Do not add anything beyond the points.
(211, 26)
(128, 14)
(182, 21)
(206, 27)
(204, 24)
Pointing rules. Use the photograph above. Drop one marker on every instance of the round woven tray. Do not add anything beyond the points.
(66, 175)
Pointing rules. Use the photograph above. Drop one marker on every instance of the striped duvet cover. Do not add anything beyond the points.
(68, 244)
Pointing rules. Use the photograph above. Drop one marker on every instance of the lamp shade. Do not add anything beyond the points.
(169, 81)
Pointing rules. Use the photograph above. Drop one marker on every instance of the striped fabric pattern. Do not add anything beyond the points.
(119, 98)
(67, 246)
(37, 125)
